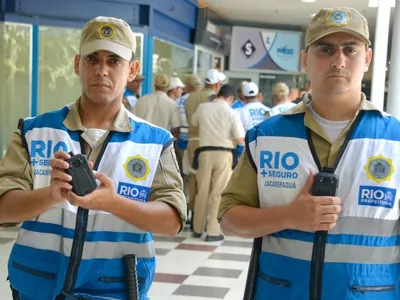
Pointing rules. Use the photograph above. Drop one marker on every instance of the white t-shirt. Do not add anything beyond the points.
(333, 129)
(218, 124)
(94, 136)
(281, 108)
(252, 114)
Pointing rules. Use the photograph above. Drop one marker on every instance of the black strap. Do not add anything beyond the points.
(342, 149)
(21, 127)
(247, 146)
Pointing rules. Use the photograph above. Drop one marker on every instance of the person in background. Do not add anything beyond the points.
(241, 100)
(175, 88)
(254, 111)
(280, 99)
(213, 82)
(193, 85)
(157, 108)
(293, 93)
(219, 131)
(132, 92)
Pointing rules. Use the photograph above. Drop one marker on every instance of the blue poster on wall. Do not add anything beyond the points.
(265, 50)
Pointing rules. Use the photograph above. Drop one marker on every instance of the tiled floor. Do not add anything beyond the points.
(187, 268)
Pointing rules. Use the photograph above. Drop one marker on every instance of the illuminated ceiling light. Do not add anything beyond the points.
(375, 3)
(308, 1)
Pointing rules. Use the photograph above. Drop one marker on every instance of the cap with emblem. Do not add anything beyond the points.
(281, 89)
(334, 20)
(111, 34)
(161, 81)
(250, 89)
(214, 76)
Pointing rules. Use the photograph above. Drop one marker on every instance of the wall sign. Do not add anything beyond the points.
(265, 50)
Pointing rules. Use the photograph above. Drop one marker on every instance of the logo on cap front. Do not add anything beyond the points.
(338, 17)
(106, 31)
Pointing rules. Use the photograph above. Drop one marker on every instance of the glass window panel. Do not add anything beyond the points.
(172, 60)
(58, 83)
(15, 58)
(204, 63)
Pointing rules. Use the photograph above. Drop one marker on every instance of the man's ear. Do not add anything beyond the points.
(76, 64)
(133, 70)
(368, 58)
(303, 57)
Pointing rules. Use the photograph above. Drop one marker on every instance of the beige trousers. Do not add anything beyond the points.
(213, 174)
(192, 183)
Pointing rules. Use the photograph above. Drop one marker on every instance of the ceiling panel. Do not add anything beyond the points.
(283, 12)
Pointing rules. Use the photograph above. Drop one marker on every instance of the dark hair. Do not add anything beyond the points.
(226, 91)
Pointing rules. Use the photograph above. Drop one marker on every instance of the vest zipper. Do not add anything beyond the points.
(80, 232)
(365, 289)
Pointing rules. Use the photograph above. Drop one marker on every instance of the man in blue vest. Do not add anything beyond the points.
(72, 247)
(334, 130)
(132, 91)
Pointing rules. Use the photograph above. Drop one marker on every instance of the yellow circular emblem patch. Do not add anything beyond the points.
(106, 31)
(137, 168)
(379, 168)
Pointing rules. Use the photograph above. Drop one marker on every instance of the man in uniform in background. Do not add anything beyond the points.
(213, 83)
(241, 100)
(281, 100)
(193, 84)
(157, 108)
(132, 91)
(175, 88)
(254, 111)
(219, 132)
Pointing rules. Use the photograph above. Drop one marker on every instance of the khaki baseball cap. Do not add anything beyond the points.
(339, 19)
(193, 81)
(161, 80)
(281, 89)
(111, 34)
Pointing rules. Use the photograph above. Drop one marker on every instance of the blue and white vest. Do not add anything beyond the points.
(281, 108)
(252, 114)
(41, 255)
(184, 129)
(362, 259)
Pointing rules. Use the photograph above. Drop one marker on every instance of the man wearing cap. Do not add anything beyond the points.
(175, 88)
(132, 91)
(219, 131)
(334, 130)
(159, 109)
(281, 100)
(73, 247)
(213, 83)
(241, 100)
(193, 84)
(254, 111)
